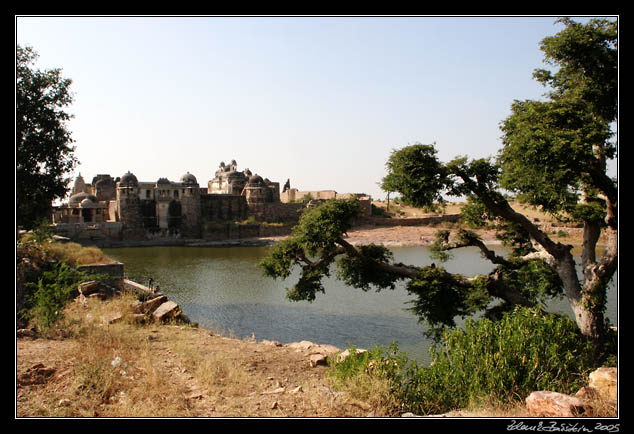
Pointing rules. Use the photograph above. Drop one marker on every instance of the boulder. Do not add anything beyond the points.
(317, 359)
(345, 354)
(301, 346)
(604, 381)
(149, 306)
(166, 311)
(22, 333)
(554, 404)
(87, 288)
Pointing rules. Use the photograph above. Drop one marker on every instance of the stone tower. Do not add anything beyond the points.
(79, 186)
(190, 207)
(129, 207)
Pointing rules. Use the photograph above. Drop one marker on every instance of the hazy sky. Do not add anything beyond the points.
(320, 100)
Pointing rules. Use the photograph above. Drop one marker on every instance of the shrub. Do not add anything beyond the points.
(502, 361)
(47, 297)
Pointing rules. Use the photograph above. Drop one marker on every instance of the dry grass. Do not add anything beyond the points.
(104, 365)
(100, 364)
(75, 254)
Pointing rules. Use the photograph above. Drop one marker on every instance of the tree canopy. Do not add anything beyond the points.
(44, 151)
(553, 157)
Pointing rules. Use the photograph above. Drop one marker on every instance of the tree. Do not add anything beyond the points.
(553, 157)
(43, 142)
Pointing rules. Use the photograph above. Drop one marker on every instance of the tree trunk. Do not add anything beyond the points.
(588, 301)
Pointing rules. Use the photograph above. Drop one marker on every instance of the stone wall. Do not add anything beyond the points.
(294, 194)
(222, 207)
(114, 271)
(421, 221)
(219, 231)
(87, 232)
(276, 212)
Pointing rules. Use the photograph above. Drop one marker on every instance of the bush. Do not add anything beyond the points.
(502, 361)
(46, 298)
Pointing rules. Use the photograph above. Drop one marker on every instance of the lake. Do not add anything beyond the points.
(223, 290)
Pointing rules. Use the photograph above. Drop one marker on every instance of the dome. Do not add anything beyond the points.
(103, 181)
(188, 178)
(88, 203)
(129, 180)
(80, 197)
(256, 180)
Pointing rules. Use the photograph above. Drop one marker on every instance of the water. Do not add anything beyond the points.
(223, 290)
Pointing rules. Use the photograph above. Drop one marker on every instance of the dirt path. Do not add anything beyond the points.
(205, 375)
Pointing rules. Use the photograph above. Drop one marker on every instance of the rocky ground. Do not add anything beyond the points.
(251, 379)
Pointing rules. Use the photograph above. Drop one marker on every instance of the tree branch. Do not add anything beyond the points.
(497, 288)
(468, 239)
(398, 270)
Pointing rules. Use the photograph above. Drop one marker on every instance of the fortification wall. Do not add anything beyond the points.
(218, 231)
(89, 232)
(222, 207)
(276, 212)
(381, 221)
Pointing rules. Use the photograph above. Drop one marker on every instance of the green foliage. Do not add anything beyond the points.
(46, 276)
(320, 227)
(46, 298)
(359, 271)
(503, 361)
(553, 149)
(43, 151)
(384, 362)
(547, 151)
(534, 278)
(442, 296)
(315, 235)
(587, 59)
(508, 359)
(415, 172)
(475, 214)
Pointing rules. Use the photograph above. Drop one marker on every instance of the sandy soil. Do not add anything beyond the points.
(268, 379)
(402, 236)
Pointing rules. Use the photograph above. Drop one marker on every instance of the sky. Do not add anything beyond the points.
(321, 101)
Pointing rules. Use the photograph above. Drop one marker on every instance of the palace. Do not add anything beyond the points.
(126, 208)
(234, 204)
